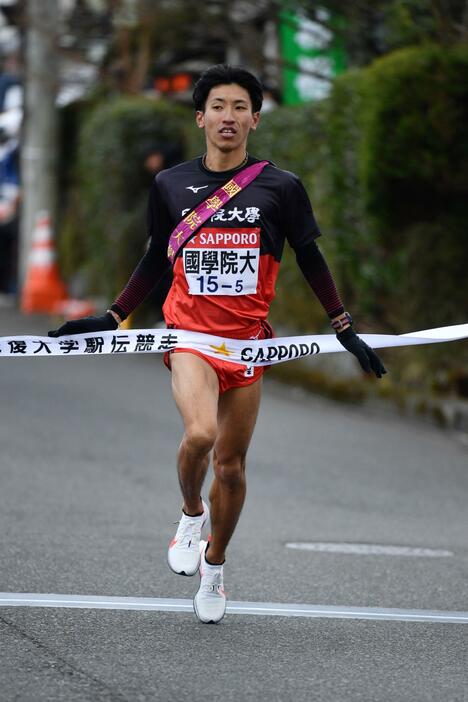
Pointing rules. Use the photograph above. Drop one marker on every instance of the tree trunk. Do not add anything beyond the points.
(40, 135)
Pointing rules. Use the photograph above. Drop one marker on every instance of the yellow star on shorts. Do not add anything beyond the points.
(221, 349)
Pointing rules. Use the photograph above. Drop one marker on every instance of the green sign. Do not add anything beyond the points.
(309, 50)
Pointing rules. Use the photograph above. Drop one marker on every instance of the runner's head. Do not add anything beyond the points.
(223, 74)
(227, 103)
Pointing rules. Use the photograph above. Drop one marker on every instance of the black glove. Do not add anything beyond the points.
(86, 324)
(365, 355)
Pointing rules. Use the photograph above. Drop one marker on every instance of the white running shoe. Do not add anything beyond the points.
(183, 554)
(210, 601)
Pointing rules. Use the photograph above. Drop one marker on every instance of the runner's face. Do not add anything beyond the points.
(228, 117)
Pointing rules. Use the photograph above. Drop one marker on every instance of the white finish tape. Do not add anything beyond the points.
(248, 352)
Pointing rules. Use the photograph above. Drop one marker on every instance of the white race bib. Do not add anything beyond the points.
(223, 261)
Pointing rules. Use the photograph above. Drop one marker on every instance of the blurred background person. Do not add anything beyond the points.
(11, 113)
(157, 157)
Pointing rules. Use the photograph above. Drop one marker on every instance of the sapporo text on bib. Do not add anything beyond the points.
(223, 261)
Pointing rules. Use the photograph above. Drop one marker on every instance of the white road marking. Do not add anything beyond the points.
(369, 549)
(275, 609)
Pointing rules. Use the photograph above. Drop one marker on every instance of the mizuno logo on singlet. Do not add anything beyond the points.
(195, 189)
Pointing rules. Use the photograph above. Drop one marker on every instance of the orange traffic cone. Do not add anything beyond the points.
(43, 287)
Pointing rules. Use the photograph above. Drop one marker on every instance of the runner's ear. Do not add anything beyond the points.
(255, 121)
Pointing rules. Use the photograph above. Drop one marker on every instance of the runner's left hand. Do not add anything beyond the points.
(365, 355)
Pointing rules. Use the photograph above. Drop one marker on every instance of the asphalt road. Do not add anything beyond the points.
(88, 501)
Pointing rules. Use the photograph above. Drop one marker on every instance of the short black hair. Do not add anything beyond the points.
(224, 74)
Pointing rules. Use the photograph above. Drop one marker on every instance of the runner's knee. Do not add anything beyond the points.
(199, 439)
(229, 469)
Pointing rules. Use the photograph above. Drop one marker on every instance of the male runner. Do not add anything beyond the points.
(223, 285)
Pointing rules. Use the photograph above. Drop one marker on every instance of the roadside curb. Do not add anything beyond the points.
(444, 412)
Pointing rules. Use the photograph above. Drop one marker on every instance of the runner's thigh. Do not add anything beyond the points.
(237, 414)
(195, 389)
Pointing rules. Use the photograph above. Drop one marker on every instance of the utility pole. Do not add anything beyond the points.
(40, 132)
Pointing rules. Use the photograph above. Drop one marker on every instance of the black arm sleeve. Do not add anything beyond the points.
(154, 263)
(315, 269)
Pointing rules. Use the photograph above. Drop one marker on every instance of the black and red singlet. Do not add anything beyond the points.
(224, 278)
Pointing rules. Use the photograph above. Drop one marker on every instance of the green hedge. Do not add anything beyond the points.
(104, 229)
(397, 178)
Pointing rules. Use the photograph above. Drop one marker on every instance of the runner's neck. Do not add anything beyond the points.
(218, 161)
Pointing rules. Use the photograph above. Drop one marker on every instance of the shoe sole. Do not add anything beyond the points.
(182, 572)
(204, 621)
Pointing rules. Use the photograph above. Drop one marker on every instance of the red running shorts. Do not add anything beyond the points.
(230, 375)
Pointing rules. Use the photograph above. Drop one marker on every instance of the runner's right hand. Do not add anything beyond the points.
(106, 322)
